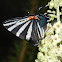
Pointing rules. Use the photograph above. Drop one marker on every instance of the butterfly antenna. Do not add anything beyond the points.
(42, 7)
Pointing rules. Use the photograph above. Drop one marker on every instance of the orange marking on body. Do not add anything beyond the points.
(38, 19)
(30, 18)
(34, 17)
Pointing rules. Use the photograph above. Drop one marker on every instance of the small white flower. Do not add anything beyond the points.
(58, 61)
(60, 3)
(42, 41)
(59, 51)
(57, 26)
(52, 53)
(53, 12)
(37, 60)
(60, 34)
(61, 46)
(55, 38)
(49, 26)
(40, 55)
(47, 39)
(50, 60)
(49, 11)
(44, 49)
(49, 30)
(40, 48)
(51, 4)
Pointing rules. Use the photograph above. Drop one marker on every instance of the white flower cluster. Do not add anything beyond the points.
(56, 13)
(51, 46)
(50, 49)
(54, 3)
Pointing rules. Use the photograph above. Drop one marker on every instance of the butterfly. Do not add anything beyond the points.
(31, 28)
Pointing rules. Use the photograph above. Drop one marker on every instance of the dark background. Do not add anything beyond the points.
(13, 49)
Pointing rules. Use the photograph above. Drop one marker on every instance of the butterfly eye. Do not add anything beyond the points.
(28, 12)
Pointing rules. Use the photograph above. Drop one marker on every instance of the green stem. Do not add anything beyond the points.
(58, 13)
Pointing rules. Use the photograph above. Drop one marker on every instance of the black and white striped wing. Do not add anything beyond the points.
(24, 29)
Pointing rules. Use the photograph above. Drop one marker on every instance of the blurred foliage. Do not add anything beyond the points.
(13, 49)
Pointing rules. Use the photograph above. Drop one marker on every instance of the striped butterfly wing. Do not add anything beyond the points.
(37, 32)
(24, 29)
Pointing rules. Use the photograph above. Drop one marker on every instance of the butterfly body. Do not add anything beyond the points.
(43, 20)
